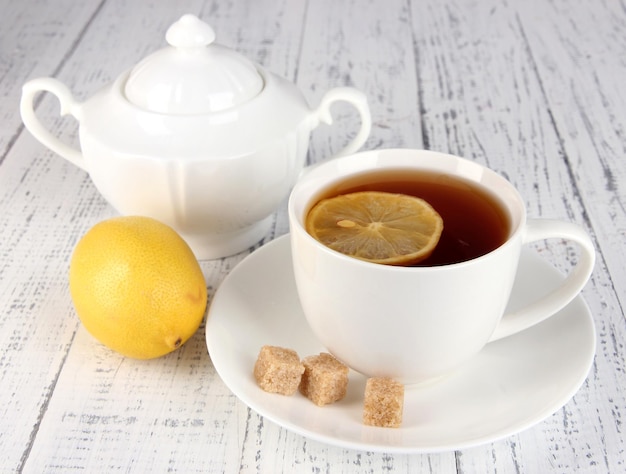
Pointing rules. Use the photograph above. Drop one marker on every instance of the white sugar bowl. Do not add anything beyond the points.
(196, 136)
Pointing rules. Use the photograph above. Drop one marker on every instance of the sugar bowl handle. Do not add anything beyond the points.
(34, 126)
(357, 99)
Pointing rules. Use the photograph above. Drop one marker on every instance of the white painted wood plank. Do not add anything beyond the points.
(591, 48)
(109, 412)
(34, 331)
(588, 112)
(365, 45)
(482, 79)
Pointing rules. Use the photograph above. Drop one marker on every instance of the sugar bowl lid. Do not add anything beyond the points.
(193, 75)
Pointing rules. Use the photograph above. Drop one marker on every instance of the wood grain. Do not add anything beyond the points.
(533, 89)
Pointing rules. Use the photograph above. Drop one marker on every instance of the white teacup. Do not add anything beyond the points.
(416, 324)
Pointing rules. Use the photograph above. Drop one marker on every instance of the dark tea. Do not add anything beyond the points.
(474, 221)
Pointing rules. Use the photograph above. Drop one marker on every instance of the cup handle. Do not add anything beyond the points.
(537, 311)
(41, 133)
(359, 100)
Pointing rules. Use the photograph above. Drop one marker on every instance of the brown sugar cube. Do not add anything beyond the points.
(278, 370)
(384, 401)
(325, 379)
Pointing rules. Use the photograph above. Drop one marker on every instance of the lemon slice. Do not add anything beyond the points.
(379, 227)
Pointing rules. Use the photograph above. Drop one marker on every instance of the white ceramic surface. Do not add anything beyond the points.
(509, 386)
(415, 324)
(195, 136)
(193, 76)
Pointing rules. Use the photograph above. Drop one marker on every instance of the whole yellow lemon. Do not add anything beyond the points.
(137, 286)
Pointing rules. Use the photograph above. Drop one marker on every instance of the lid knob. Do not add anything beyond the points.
(190, 32)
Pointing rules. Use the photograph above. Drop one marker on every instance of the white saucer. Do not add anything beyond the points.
(511, 385)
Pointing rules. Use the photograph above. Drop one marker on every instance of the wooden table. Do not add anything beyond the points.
(533, 89)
